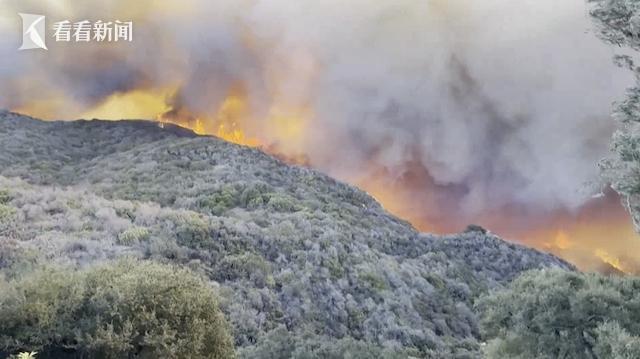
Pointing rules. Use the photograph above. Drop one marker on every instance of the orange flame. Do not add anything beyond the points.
(609, 259)
(599, 234)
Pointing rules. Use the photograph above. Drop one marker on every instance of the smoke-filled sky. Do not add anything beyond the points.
(463, 110)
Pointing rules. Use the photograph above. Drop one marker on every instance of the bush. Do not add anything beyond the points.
(221, 201)
(133, 235)
(192, 230)
(255, 195)
(245, 266)
(7, 213)
(7, 219)
(10, 252)
(279, 343)
(282, 203)
(615, 342)
(5, 196)
(559, 314)
(123, 309)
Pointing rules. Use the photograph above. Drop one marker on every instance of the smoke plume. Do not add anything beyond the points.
(464, 109)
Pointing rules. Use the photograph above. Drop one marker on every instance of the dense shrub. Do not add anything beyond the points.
(245, 266)
(617, 25)
(10, 252)
(288, 246)
(220, 201)
(192, 230)
(123, 309)
(133, 235)
(615, 342)
(282, 203)
(5, 196)
(560, 314)
(255, 195)
(280, 343)
(7, 219)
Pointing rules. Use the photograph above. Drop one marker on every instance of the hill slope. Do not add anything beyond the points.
(304, 264)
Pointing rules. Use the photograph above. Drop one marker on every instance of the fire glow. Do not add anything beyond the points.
(430, 106)
(598, 236)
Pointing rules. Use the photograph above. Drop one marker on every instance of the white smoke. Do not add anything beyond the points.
(503, 102)
(509, 99)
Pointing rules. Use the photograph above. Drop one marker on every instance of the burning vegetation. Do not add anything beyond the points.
(400, 115)
(598, 235)
(431, 107)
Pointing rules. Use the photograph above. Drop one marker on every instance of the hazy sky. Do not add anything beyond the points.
(501, 102)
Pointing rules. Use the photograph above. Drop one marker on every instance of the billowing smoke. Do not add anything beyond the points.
(466, 108)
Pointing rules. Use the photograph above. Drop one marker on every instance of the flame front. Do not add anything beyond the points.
(610, 260)
(358, 101)
(599, 236)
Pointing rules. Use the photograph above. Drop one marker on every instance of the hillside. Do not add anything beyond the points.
(304, 264)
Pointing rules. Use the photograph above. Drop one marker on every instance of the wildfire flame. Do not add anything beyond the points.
(609, 259)
(278, 78)
(600, 236)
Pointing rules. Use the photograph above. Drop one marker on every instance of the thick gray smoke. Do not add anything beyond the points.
(502, 102)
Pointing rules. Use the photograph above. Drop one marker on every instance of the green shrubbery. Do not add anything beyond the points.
(133, 235)
(288, 246)
(280, 343)
(255, 195)
(221, 201)
(247, 266)
(560, 314)
(282, 203)
(122, 309)
(617, 25)
(192, 230)
(5, 196)
(615, 342)
(250, 196)
(7, 219)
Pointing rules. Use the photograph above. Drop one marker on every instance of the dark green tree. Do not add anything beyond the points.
(562, 314)
(125, 309)
(618, 23)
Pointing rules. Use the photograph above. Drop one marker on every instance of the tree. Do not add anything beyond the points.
(615, 342)
(561, 314)
(124, 309)
(618, 23)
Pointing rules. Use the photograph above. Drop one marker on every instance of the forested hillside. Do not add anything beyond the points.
(303, 265)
